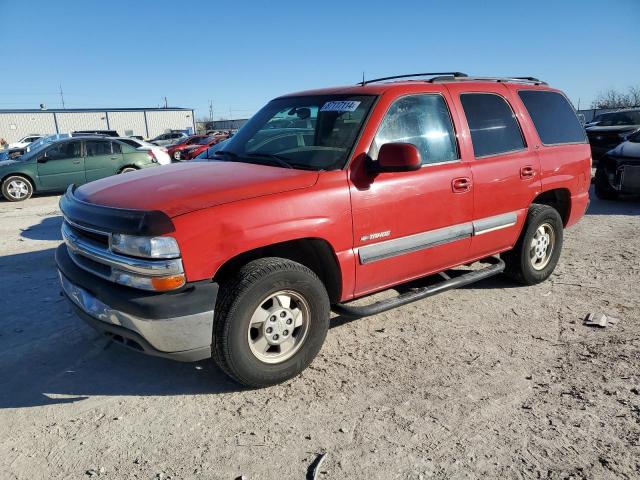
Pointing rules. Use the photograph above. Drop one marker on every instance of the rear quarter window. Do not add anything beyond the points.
(553, 116)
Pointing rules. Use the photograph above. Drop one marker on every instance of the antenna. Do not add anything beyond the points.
(62, 97)
(363, 82)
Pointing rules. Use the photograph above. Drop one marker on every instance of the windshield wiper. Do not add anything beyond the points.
(225, 152)
(279, 159)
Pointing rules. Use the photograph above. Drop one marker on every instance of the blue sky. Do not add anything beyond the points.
(240, 54)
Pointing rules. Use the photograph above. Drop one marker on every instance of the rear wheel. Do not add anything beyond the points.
(271, 320)
(603, 189)
(128, 169)
(537, 251)
(17, 188)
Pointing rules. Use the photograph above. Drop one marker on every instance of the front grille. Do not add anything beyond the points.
(91, 235)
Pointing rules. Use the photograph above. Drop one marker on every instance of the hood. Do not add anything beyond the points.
(616, 128)
(185, 187)
(626, 149)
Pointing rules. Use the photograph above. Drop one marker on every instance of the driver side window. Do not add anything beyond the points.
(423, 121)
(64, 150)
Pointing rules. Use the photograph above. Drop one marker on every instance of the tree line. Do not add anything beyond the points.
(616, 99)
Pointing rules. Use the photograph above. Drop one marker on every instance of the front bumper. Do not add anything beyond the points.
(176, 325)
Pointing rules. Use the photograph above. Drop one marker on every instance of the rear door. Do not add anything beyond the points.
(61, 165)
(505, 168)
(100, 159)
(409, 224)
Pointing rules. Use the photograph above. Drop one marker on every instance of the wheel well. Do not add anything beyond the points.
(25, 176)
(559, 198)
(313, 253)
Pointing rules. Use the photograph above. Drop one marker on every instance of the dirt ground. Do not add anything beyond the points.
(490, 381)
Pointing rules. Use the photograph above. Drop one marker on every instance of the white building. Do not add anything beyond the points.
(145, 122)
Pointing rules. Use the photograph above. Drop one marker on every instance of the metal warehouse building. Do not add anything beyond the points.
(146, 122)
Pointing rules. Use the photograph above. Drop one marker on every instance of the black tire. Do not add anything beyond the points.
(604, 191)
(127, 169)
(238, 299)
(519, 265)
(9, 184)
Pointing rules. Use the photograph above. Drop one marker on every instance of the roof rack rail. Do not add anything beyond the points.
(433, 74)
(534, 80)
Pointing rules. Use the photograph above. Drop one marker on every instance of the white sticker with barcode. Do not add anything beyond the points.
(340, 106)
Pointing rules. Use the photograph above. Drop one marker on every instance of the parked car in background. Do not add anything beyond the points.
(242, 259)
(192, 151)
(210, 153)
(618, 171)
(160, 153)
(106, 133)
(168, 138)
(608, 130)
(76, 160)
(175, 149)
(24, 141)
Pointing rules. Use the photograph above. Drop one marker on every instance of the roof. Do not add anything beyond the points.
(100, 110)
(378, 87)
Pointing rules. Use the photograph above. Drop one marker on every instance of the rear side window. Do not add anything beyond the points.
(98, 148)
(422, 120)
(493, 125)
(115, 147)
(553, 116)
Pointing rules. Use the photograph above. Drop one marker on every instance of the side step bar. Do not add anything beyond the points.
(357, 311)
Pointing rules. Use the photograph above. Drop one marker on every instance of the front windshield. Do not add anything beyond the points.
(618, 119)
(314, 132)
(44, 141)
(635, 138)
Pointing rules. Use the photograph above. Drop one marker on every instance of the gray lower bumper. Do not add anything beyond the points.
(186, 338)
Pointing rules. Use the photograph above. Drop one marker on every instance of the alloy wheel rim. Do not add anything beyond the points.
(542, 246)
(278, 327)
(17, 189)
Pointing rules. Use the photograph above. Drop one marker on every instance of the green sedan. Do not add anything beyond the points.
(55, 166)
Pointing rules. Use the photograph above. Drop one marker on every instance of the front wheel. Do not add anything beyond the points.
(603, 189)
(16, 188)
(537, 251)
(270, 322)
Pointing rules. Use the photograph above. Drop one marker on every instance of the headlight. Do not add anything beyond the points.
(146, 247)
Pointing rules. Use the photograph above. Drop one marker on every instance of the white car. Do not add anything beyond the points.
(168, 138)
(24, 141)
(160, 153)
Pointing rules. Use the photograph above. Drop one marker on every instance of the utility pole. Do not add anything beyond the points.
(211, 110)
(62, 97)
(165, 102)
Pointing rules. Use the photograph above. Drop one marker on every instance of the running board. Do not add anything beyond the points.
(357, 311)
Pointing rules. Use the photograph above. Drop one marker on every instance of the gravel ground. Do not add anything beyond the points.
(491, 381)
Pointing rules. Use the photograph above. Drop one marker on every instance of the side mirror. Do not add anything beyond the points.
(398, 157)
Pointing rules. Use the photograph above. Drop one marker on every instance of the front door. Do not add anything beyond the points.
(410, 224)
(506, 170)
(100, 159)
(61, 165)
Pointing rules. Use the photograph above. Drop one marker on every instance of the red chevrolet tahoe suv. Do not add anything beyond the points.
(324, 197)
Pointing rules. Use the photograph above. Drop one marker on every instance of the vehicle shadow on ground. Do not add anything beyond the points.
(49, 356)
(624, 205)
(47, 229)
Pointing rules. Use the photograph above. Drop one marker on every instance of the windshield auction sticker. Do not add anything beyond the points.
(341, 106)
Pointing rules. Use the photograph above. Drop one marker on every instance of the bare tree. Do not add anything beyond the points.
(614, 99)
